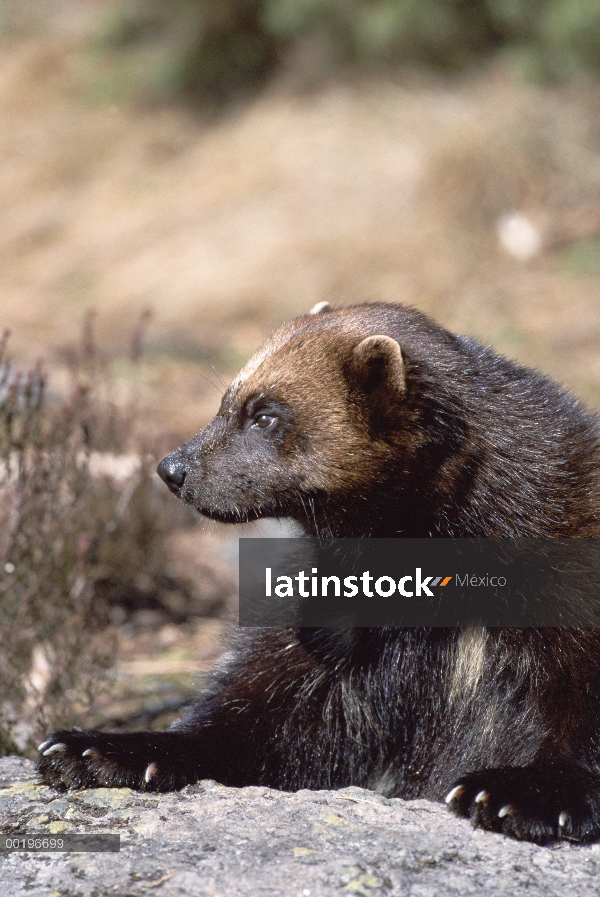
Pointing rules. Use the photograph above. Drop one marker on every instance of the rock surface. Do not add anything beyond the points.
(211, 840)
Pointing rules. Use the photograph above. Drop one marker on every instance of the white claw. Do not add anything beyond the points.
(43, 745)
(563, 819)
(88, 752)
(505, 811)
(151, 770)
(482, 797)
(456, 792)
(59, 746)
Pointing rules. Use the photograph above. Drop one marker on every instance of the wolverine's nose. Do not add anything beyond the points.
(172, 471)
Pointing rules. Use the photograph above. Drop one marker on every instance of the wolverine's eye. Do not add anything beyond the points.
(264, 421)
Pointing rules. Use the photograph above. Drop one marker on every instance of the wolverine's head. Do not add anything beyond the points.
(318, 417)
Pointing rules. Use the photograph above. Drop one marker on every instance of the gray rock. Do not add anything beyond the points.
(211, 840)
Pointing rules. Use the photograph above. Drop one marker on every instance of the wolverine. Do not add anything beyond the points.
(374, 421)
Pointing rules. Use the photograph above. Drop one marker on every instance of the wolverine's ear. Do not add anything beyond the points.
(320, 308)
(380, 366)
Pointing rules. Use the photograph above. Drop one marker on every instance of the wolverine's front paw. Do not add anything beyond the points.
(146, 761)
(534, 803)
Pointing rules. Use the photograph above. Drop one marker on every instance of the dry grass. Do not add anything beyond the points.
(369, 190)
(91, 543)
(55, 517)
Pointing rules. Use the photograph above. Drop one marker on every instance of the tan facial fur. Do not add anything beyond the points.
(304, 365)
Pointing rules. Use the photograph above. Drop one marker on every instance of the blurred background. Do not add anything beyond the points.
(196, 172)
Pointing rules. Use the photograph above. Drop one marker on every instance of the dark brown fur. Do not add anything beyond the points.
(375, 421)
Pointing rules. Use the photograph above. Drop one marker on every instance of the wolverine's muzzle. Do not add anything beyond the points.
(173, 471)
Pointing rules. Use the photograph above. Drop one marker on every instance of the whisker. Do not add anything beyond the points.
(218, 376)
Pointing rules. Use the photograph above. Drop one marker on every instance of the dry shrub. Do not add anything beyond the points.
(215, 50)
(79, 507)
